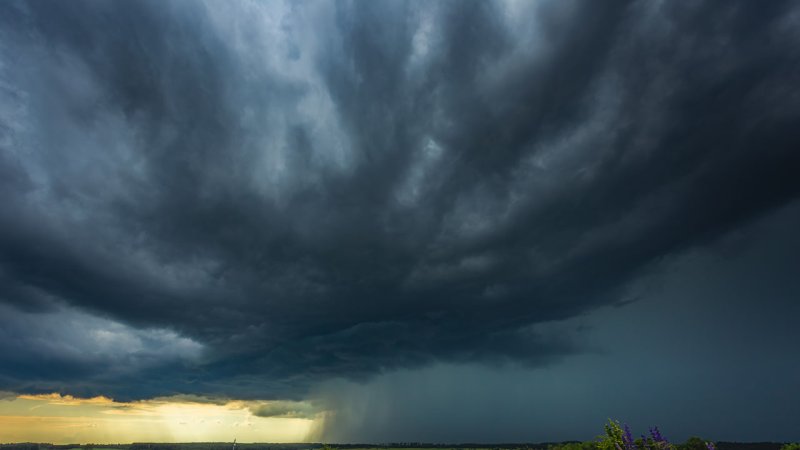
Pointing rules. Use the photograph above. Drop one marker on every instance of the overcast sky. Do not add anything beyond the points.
(408, 221)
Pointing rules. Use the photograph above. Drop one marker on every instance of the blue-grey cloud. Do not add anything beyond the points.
(311, 190)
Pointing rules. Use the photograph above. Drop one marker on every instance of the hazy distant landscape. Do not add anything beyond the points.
(570, 445)
(616, 437)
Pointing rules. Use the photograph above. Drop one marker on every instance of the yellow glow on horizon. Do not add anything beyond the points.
(58, 399)
(65, 419)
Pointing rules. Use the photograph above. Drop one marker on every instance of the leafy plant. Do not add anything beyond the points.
(791, 446)
(616, 438)
(694, 443)
(619, 437)
(612, 440)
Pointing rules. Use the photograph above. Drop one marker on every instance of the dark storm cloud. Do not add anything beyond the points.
(310, 190)
(285, 409)
(706, 350)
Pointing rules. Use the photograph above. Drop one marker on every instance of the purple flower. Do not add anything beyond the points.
(660, 440)
(710, 446)
(657, 435)
(627, 438)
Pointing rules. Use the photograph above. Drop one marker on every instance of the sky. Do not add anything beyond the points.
(383, 221)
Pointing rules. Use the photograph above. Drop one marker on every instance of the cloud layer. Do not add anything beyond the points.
(294, 192)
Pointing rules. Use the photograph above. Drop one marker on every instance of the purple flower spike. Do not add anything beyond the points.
(657, 435)
(660, 441)
(710, 446)
(627, 438)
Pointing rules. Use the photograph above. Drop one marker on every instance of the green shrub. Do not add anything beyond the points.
(612, 440)
(693, 443)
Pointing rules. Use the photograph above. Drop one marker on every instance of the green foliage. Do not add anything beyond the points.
(791, 446)
(327, 447)
(573, 446)
(693, 443)
(651, 444)
(612, 440)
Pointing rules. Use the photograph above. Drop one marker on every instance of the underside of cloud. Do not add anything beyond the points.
(243, 200)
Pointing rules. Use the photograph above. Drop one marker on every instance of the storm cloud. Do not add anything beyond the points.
(248, 200)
